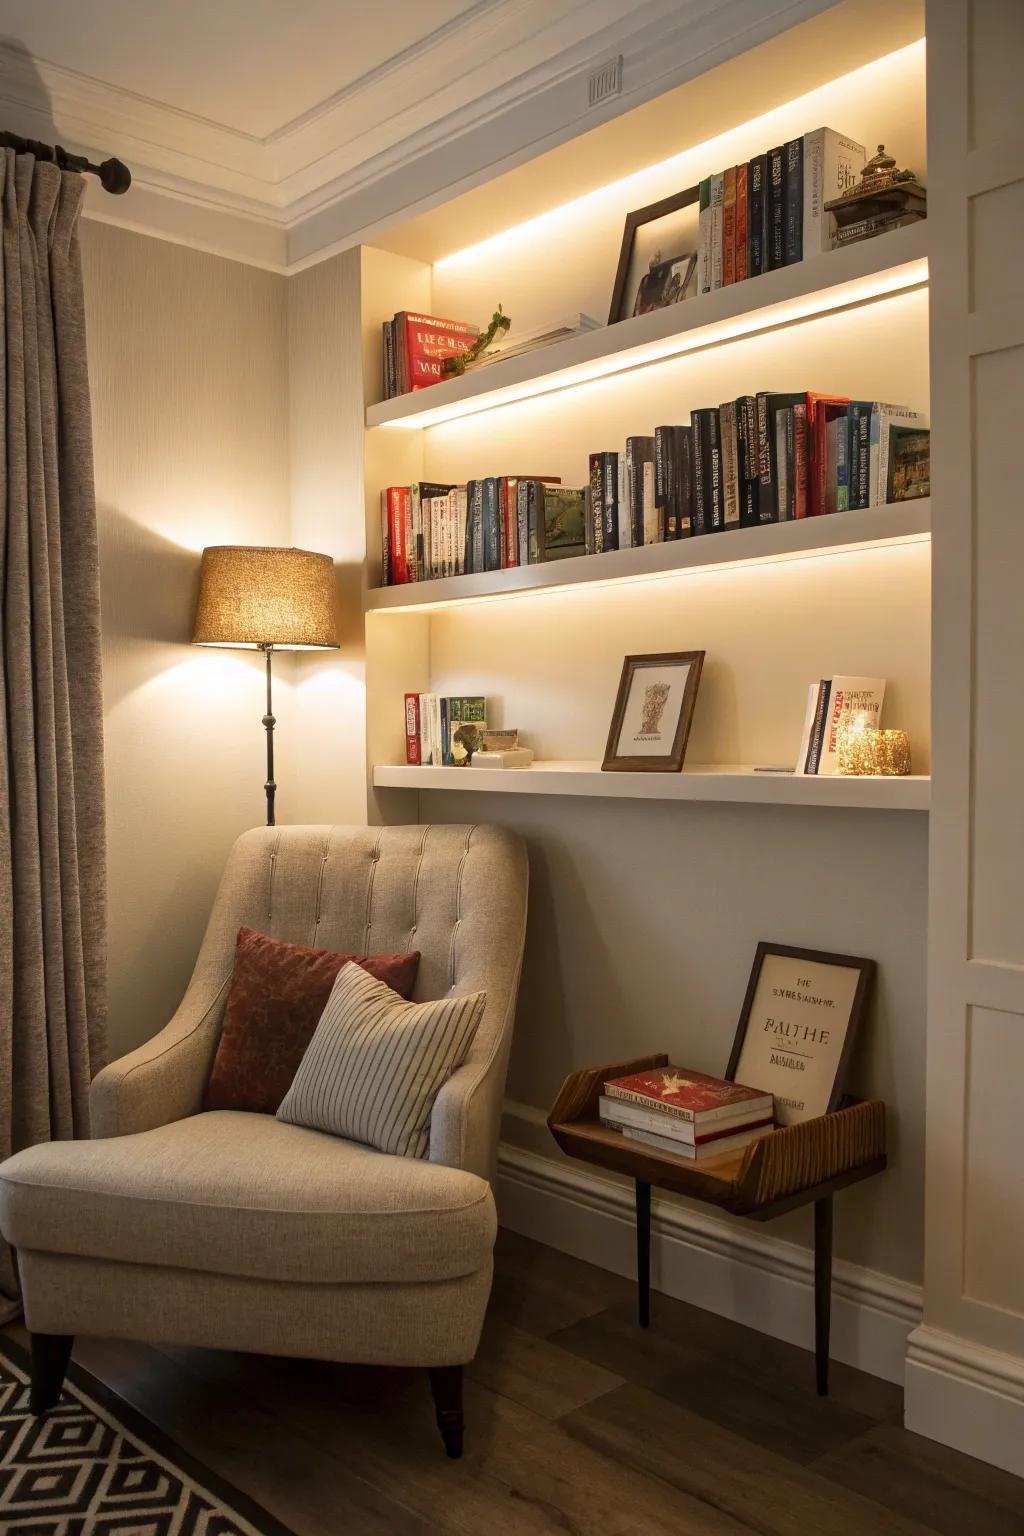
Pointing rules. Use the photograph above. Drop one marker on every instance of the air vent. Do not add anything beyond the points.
(605, 81)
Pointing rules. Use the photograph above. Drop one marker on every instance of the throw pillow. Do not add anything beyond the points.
(278, 992)
(375, 1064)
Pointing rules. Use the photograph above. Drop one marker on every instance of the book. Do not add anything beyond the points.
(824, 689)
(640, 489)
(389, 378)
(810, 714)
(850, 699)
(757, 183)
(859, 420)
(622, 1112)
(775, 472)
(664, 491)
(473, 555)
(689, 1095)
(823, 457)
(784, 499)
(412, 728)
(682, 480)
(832, 164)
(625, 503)
(730, 464)
(565, 521)
(728, 226)
(422, 344)
(867, 229)
(747, 460)
(742, 222)
(463, 723)
(491, 523)
(703, 1152)
(909, 464)
(507, 489)
(775, 223)
(883, 419)
(595, 506)
(793, 202)
(767, 505)
(841, 434)
(421, 493)
(704, 236)
(707, 471)
(716, 195)
(610, 499)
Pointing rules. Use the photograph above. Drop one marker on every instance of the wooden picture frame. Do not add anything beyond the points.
(784, 1049)
(620, 309)
(643, 715)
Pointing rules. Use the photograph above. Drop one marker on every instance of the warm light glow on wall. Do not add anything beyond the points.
(881, 78)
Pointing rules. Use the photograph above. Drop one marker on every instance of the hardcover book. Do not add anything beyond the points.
(883, 419)
(688, 1095)
(742, 222)
(704, 236)
(623, 1112)
(717, 193)
(775, 216)
(610, 499)
(423, 343)
(412, 728)
(793, 196)
(909, 464)
(463, 724)
(832, 166)
(565, 522)
(730, 464)
(728, 226)
(757, 181)
(703, 1151)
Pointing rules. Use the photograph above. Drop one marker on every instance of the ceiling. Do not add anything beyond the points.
(253, 66)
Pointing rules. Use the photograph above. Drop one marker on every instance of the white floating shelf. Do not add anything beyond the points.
(874, 269)
(906, 522)
(743, 786)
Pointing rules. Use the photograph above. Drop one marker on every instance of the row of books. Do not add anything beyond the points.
(833, 702)
(689, 1114)
(430, 530)
(443, 730)
(770, 212)
(416, 346)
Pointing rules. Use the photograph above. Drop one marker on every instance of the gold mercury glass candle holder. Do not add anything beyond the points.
(863, 749)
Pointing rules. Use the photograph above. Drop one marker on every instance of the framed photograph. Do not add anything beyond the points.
(797, 1029)
(658, 259)
(653, 711)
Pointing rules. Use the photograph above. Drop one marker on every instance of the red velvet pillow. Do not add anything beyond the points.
(278, 992)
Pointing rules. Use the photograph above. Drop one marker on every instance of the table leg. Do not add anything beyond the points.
(822, 1289)
(643, 1252)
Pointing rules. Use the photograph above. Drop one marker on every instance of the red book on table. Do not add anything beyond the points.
(688, 1095)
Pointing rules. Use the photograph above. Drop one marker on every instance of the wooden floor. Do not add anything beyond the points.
(577, 1422)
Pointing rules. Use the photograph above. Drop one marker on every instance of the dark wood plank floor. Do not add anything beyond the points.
(578, 1422)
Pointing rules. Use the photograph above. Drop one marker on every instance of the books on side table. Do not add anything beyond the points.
(689, 1114)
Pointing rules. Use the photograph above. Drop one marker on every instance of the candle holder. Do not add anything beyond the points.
(863, 750)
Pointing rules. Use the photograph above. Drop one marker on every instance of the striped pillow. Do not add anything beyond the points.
(375, 1063)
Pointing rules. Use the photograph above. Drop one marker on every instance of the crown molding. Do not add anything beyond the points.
(488, 89)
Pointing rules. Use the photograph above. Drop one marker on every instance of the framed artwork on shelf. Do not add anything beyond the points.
(653, 710)
(798, 1026)
(658, 257)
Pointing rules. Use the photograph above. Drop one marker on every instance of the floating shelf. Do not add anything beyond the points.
(875, 269)
(744, 786)
(906, 522)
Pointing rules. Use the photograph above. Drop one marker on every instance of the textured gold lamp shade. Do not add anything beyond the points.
(254, 596)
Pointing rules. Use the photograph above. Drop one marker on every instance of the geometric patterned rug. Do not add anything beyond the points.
(94, 1466)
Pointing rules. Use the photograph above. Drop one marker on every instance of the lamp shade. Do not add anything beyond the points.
(255, 596)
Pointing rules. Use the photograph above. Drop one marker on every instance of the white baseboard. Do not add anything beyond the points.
(966, 1396)
(738, 1271)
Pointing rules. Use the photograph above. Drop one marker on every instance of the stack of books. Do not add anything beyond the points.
(833, 702)
(443, 731)
(764, 458)
(430, 530)
(686, 1113)
(514, 343)
(771, 212)
(415, 347)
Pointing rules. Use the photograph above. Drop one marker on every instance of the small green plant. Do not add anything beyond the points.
(463, 360)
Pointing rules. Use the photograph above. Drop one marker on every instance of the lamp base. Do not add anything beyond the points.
(269, 722)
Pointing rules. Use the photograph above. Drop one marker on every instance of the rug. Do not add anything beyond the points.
(95, 1467)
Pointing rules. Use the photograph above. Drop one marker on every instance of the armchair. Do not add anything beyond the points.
(238, 1231)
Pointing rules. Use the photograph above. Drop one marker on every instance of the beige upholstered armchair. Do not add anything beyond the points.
(239, 1231)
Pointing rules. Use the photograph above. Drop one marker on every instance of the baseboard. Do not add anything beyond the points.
(967, 1397)
(739, 1271)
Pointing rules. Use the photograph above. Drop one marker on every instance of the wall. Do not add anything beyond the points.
(188, 362)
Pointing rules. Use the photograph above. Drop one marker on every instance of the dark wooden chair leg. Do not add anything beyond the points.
(822, 1290)
(643, 1253)
(51, 1353)
(446, 1389)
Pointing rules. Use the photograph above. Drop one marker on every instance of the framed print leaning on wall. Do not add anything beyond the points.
(653, 711)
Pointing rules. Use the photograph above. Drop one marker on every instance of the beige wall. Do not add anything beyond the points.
(188, 362)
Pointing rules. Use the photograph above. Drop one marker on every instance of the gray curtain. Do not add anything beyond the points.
(52, 851)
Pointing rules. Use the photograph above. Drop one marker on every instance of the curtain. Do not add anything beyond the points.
(52, 847)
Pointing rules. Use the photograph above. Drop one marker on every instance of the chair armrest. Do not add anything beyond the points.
(164, 1079)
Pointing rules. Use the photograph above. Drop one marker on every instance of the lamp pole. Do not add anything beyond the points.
(269, 722)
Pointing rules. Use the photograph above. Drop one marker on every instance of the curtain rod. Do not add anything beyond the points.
(114, 175)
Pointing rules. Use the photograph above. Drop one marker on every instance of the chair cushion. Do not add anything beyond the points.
(278, 992)
(244, 1194)
(375, 1064)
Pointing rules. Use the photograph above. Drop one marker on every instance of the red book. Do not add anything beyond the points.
(741, 222)
(729, 226)
(799, 460)
(820, 409)
(412, 728)
(394, 523)
(424, 341)
(509, 529)
(688, 1095)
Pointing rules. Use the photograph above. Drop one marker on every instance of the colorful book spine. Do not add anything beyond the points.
(767, 510)
(717, 192)
(386, 555)
(742, 222)
(747, 460)
(728, 226)
(728, 436)
(860, 454)
(412, 728)
(800, 458)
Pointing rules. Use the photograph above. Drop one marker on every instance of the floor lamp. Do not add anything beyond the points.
(264, 599)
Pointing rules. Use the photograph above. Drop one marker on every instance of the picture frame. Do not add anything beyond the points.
(653, 710)
(798, 1026)
(658, 256)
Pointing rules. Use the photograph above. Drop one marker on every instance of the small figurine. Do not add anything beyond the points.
(462, 360)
